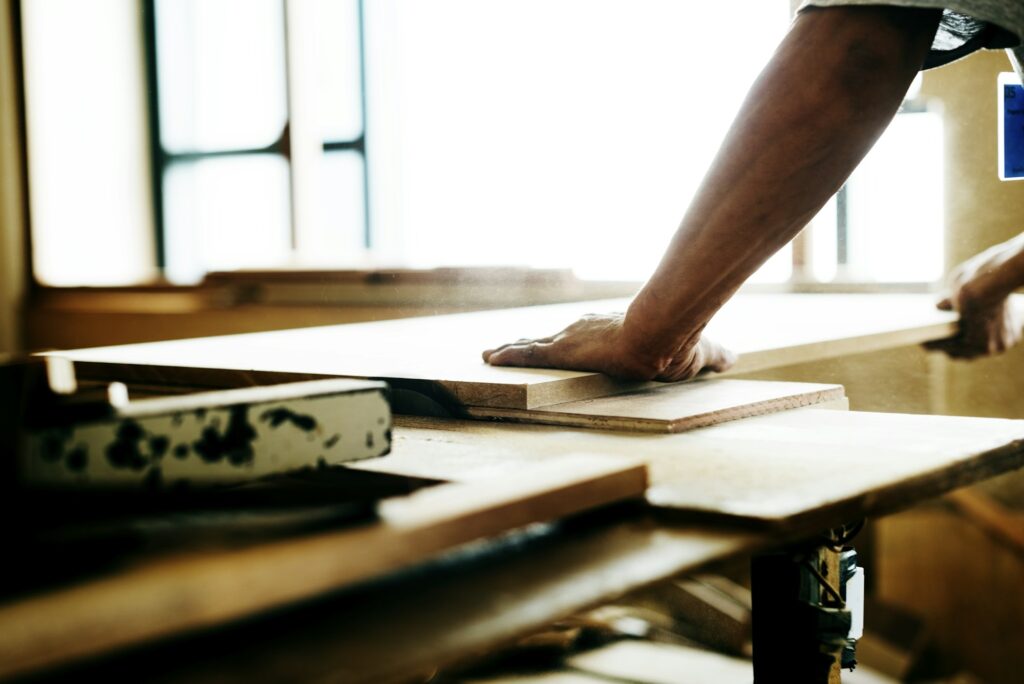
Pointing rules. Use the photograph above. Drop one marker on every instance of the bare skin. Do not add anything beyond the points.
(979, 290)
(830, 90)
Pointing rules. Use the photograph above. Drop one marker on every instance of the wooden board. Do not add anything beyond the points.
(444, 351)
(674, 407)
(401, 631)
(792, 470)
(190, 591)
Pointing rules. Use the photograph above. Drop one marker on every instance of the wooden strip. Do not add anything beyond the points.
(766, 330)
(674, 407)
(171, 595)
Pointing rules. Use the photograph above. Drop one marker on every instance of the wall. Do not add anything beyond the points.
(12, 221)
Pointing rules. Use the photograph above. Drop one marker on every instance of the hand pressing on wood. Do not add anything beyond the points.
(979, 290)
(603, 343)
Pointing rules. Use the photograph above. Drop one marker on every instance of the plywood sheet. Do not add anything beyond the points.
(792, 470)
(444, 351)
(190, 591)
(674, 407)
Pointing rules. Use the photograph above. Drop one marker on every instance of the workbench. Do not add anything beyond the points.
(472, 599)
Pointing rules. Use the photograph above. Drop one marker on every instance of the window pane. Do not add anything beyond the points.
(221, 73)
(517, 145)
(344, 214)
(337, 45)
(89, 171)
(226, 213)
(824, 247)
(895, 203)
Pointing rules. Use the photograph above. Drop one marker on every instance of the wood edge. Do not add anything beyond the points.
(759, 408)
(656, 425)
(579, 388)
(819, 351)
(931, 484)
(291, 558)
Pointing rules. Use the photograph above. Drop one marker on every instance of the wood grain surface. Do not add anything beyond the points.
(766, 330)
(789, 470)
(674, 407)
(198, 589)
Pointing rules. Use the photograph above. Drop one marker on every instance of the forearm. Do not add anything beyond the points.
(1004, 274)
(830, 90)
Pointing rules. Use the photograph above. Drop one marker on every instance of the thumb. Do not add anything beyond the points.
(717, 357)
(945, 304)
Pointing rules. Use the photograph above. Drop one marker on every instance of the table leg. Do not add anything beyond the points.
(800, 620)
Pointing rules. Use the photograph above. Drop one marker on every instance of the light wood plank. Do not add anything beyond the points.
(190, 591)
(766, 330)
(674, 407)
(795, 469)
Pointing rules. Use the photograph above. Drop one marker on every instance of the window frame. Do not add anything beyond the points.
(161, 159)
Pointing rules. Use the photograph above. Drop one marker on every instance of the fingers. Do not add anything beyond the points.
(717, 357)
(488, 353)
(536, 354)
(946, 304)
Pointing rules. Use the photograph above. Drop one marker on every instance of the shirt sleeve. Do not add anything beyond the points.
(966, 26)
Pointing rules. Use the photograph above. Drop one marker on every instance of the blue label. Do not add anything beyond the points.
(1013, 131)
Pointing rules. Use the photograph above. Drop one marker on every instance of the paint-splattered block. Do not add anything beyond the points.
(215, 437)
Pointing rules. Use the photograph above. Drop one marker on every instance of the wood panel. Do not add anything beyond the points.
(674, 407)
(792, 470)
(190, 591)
(766, 330)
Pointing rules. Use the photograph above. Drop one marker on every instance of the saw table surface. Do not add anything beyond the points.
(787, 470)
(783, 477)
(445, 351)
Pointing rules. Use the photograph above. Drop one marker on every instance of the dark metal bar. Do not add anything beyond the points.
(286, 135)
(367, 230)
(157, 156)
(276, 147)
(357, 145)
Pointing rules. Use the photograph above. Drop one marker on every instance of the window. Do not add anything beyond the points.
(199, 135)
(259, 139)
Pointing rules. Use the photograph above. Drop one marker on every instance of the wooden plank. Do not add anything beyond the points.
(766, 330)
(674, 407)
(795, 469)
(190, 591)
(402, 630)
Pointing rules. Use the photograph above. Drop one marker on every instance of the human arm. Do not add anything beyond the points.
(979, 289)
(826, 95)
